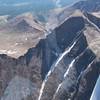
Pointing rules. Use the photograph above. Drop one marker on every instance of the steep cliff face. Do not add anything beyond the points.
(14, 74)
(63, 66)
(67, 32)
(88, 80)
(61, 81)
(68, 86)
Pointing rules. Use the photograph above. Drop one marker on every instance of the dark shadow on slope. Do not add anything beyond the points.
(66, 32)
(88, 80)
(93, 19)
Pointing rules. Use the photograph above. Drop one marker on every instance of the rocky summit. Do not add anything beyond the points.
(57, 60)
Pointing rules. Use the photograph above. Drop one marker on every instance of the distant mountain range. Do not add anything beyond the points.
(15, 7)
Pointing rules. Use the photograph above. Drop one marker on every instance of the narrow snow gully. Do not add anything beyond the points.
(66, 73)
(52, 69)
(66, 52)
(70, 66)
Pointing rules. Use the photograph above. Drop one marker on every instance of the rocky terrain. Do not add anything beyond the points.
(20, 33)
(63, 60)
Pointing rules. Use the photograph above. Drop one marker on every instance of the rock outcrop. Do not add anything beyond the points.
(63, 66)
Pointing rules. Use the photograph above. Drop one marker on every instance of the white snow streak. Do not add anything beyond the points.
(70, 66)
(52, 69)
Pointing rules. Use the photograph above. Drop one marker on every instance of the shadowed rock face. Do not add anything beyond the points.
(69, 84)
(56, 87)
(93, 19)
(66, 32)
(10, 68)
(88, 80)
(60, 67)
(88, 5)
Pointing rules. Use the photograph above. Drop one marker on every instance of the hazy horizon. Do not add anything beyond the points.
(11, 7)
